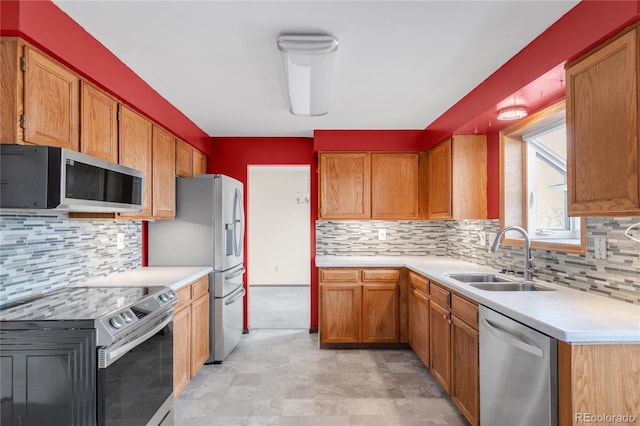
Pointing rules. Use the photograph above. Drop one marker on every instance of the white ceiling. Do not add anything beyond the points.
(399, 65)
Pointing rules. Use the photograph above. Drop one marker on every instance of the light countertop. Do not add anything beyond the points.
(566, 314)
(152, 276)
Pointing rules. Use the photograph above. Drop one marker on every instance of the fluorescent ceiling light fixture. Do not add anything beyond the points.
(512, 113)
(308, 62)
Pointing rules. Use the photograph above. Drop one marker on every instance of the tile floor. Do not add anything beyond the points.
(281, 377)
(279, 307)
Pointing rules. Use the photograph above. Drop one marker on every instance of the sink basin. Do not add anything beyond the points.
(511, 286)
(478, 277)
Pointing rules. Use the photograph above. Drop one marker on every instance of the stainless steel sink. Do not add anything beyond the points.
(511, 286)
(479, 277)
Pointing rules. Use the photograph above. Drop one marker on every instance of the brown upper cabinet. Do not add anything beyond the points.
(365, 185)
(199, 163)
(99, 123)
(602, 129)
(184, 159)
(40, 102)
(345, 185)
(164, 174)
(136, 148)
(457, 178)
(394, 185)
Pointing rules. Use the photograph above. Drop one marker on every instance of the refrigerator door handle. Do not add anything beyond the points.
(237, 222)
(237, 274)
(236, 297)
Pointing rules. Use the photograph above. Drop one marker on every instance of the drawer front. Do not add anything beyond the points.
(420, 283)
(184, 297)
(199, 287)
(380, 275)
(440, 294)
(465, 310)
(340, 275)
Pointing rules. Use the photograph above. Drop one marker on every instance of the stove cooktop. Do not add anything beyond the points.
(113, 311)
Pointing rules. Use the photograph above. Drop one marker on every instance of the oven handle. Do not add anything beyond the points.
(108, 356)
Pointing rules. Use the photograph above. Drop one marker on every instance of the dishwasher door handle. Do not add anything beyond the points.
(512, 340)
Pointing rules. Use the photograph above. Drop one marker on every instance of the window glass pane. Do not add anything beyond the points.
(550, 196)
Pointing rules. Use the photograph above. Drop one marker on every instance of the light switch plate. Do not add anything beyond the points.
(382, 234)
(483, 238)
(120, 241)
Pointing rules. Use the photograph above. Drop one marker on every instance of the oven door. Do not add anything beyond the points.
(135, 378)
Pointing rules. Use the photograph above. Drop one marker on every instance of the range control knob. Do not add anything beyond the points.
(127, 317)
(115, 322)
(164, 297)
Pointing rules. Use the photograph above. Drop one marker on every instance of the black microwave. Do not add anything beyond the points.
(46, 177)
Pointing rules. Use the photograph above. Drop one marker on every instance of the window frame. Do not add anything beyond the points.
(510, 138)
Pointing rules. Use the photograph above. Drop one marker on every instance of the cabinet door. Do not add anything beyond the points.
(199, 163)
(469, 177)
(136, 151)
(439, 170)
(98, 123)
(465, 372)
(380, 312)
(164, 174)
(340, 313)
(199, 333)
(419, 325)
(602, 131)
(440, 335)
(394, 186)
(181, 351)
(345, 185)
(184, 159)
(51, 102)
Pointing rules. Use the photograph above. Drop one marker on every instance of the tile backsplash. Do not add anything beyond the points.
(42, 253)
(617, 277)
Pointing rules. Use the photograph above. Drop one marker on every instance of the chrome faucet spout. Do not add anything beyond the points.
(527, 248)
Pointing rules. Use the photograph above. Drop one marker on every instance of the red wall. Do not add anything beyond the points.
(368, 140)
(48, 28)
(232, 156)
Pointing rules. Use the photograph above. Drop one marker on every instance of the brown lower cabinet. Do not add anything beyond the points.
(359, 305)
(419, 317)
(190, 333)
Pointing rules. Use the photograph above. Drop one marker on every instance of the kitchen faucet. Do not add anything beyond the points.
(528, 262)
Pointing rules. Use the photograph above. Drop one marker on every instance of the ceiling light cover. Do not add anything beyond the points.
(308, 62)
(512, 113)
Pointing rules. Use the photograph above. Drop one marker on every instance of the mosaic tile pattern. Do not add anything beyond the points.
(42, 253)
(617, 277)
(360, 238)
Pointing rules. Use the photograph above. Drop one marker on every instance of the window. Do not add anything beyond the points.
(534, 183)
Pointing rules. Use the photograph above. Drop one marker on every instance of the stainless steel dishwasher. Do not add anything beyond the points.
(518, 373)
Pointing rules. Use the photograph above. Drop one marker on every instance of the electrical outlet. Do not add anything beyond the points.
(483, 238)
(382, 234)
(277, 268)
(120, 241)
(600, 248)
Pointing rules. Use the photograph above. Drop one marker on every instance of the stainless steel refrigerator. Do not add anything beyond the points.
(208, 230)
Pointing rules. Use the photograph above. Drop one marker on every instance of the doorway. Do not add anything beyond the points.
(279, 246)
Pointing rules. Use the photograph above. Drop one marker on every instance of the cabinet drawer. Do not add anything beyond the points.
(440, 294)
(199, 287)
(380, 275)
(465, 310)
(420, 283)
(184, 297)
(340, 275)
